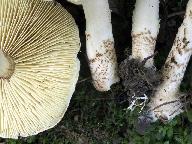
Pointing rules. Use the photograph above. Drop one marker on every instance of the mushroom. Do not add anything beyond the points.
(77, 2)
(38, 65)
(138, 72)
(166, 103)
(100, 43)
(165, 98)
(145, 29)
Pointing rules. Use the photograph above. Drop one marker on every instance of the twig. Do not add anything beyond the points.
(83, 80)
(163, 105)
(95, 99)
(149, 57)
(176, 14)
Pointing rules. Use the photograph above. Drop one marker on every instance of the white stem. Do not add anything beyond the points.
(77, 2)
(145, 29)
(100, 44)
(6, 66)
(173, 71)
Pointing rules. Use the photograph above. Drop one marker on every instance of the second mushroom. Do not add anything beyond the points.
(100, 43)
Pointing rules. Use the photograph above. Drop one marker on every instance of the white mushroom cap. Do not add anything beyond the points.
(39, 66)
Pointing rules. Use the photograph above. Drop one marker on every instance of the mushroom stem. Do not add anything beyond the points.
(166, 103)
(77, 2)
(100, 44)
(145, 29)
(6, 66)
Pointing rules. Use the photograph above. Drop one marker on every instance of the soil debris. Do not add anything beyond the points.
(137, 79)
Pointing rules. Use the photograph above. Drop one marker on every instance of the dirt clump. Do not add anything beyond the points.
(137, 79)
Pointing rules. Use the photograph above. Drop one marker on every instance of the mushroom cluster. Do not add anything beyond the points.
(38, 65)
(165, 98)
(146, 83)
(39, 68)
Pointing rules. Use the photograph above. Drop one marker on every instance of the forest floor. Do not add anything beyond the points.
(95, 117)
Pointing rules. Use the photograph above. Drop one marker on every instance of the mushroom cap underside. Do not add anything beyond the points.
(42, 40)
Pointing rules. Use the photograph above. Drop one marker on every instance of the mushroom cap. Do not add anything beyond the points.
(42, 40)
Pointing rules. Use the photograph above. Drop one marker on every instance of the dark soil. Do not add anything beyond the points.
(138, 80)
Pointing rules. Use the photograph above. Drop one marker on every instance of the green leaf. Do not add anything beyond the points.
(167, 142)
(146, 140)
(170, 132)
(189, 115)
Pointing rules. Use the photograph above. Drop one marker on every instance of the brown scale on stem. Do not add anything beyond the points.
(105, 61)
